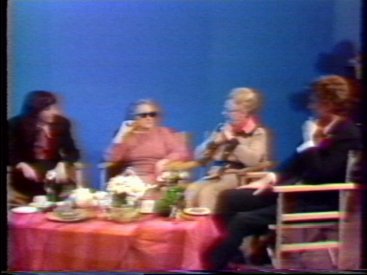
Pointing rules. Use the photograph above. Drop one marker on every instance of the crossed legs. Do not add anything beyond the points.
(244, 215)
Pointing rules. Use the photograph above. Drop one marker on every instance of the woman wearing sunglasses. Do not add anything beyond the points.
(143, 144)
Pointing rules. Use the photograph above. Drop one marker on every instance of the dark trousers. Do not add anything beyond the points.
(242, 214)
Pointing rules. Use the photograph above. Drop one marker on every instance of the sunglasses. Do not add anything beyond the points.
(149, 114)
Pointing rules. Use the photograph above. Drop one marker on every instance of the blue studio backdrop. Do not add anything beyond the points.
(100, 55)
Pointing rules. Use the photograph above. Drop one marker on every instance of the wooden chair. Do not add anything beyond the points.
(343, 251)
(108, 170)
(249, 174)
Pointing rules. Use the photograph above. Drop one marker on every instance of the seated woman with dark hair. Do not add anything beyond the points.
(145, 146)
(321, 158)
(40, 144)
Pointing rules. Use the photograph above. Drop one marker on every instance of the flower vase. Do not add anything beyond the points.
(118, 200)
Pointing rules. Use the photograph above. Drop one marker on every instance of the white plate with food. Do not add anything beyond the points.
(197, 211)
(24, 210)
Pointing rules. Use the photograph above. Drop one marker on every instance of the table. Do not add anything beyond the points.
(153, 244)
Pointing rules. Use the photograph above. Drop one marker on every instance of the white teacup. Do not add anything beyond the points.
(40, 199)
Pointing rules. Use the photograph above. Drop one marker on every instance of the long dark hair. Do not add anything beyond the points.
(37, 101)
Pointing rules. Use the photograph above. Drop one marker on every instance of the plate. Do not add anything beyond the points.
(79, 216)
(24, 210)
(42, 205)
(182, 216)
(197, 211)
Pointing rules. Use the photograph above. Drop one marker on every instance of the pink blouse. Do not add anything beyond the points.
(143, 151)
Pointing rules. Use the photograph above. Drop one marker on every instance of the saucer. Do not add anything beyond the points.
(24, 210)
(197, 211)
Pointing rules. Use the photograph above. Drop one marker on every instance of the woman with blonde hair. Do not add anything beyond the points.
(240, 142)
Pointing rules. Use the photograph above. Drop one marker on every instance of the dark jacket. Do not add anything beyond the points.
(325, 163)
(22, 133)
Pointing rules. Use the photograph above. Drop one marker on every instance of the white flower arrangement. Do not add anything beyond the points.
(129, 184)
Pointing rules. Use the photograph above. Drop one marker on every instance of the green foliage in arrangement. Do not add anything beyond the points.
(173, 197)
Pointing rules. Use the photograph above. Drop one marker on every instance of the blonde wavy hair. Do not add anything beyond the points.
(247, 98)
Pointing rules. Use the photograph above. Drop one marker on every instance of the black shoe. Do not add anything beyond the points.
(238, 258)
(218, 260)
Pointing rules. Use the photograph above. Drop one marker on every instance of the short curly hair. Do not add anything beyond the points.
(248, 98)
(335, 91)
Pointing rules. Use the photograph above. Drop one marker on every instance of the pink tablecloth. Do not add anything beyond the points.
(36, 243)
